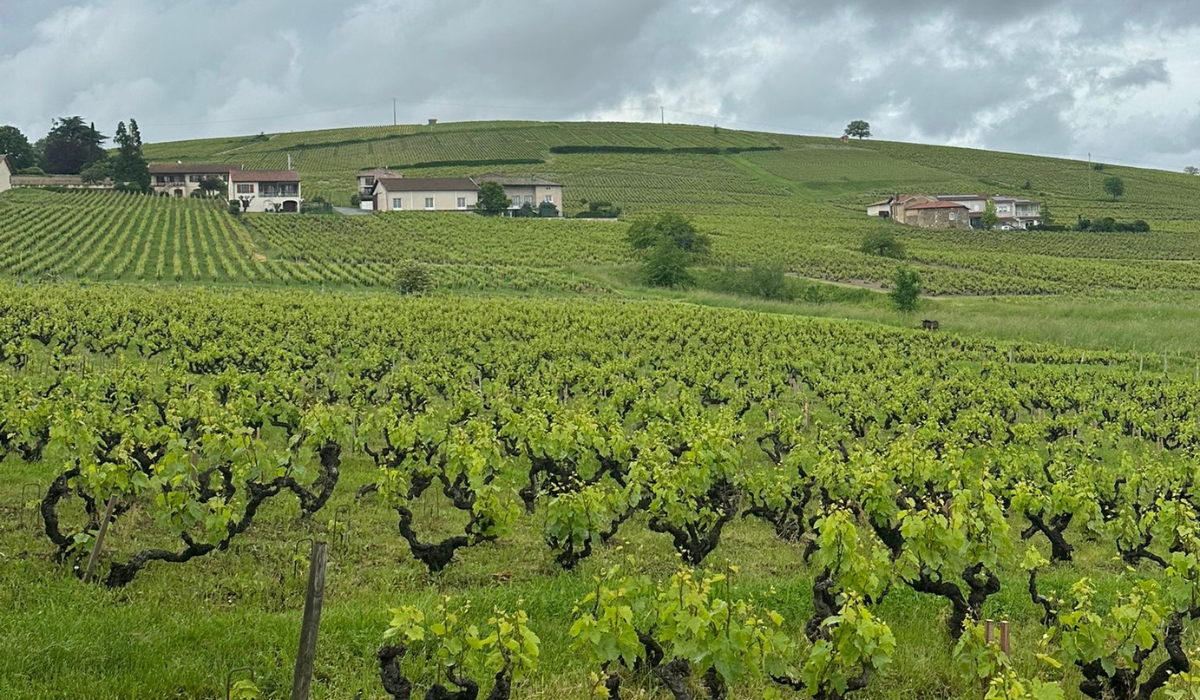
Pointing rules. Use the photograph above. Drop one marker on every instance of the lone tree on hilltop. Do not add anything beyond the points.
(858, 129)
(1191, 170)
(492, 199)
(1115, 186)
(669, 244)
(906, 289)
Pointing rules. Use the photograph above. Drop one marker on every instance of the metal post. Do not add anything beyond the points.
(302, 680)
(108, 511)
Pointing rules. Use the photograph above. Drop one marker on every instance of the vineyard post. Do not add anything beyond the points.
(1164, 363)
(108, 511)
(1004, 638)
(807, 414)
(989, 631)
(313, 600)
(26, 490)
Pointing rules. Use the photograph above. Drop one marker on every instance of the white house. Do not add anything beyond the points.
(425, 194)
(526, 190)
(266, 190)
(182, 179)
(5, 175)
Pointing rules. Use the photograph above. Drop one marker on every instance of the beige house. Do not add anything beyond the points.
(425, 194)
(948, 210)
(5, 175)
(527, 190)
(266, 190)
(366, 181)
(182, 179)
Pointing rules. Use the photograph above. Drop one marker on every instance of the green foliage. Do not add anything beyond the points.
(71, 146)
(525, 211)
(883, 244)
(858, 129)
(906, 289)
(16, 148)
(492, 199)
(97, 173)
(547, 210)
(130, 170)
(412, 278)
(989, 219)
(669, 244)
(764, 281)
(235, 207)
(1115, 187)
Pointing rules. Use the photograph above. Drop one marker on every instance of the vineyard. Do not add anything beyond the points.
(581, 498)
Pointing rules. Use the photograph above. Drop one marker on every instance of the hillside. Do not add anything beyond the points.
(797, 201)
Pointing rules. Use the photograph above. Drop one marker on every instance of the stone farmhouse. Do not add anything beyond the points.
(257, 190)
(383, 190)
(957, 211)
(5, 175)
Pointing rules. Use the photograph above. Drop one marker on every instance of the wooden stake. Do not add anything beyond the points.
(315, 598)
(989, 631)
(1004, 639)
(807, 415)
(108, 511)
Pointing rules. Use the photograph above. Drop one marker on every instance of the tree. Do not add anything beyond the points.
(906, 289)
(647, 233)
(235, 207)
(1191, 170)
(16, 149)
(1115, 187)
(525, 211)
(883, 244)
(989, 218)
(1047, 217)
(858, 129)
(213, 186)
(97, 173)
(71, 146)
(492, 199)
(669, 243)
(547, 210)
(412, 278)
(130, 170)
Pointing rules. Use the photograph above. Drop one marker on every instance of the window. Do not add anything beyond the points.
(397, 203)
(516, 200)
(529, 199)
(462, 202)
(245, 189)
(954, 216)
(193, 178)
(429, 202)
(549, 199)
(162, 180)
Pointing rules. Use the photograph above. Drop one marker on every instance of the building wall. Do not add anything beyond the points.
(5, 176)
(879, 210)
(187, 186)
(938, 218)
(415, 201)
(258, 203)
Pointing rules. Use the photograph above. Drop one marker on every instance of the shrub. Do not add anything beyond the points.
(32, 171)
(412, 278)
(525, 211)
(906, 289)
(355, 199)
(764, 280)
(492, 199)
(883, 244)
(667, 266)
(235, 207)
(547, 210)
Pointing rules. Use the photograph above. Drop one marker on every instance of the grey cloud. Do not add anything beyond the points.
(1018, 75)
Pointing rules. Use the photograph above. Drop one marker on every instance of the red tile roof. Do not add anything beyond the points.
(264, 176)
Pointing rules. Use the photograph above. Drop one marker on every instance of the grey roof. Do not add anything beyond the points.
(427, 184)
(380, 173)
(510, 181)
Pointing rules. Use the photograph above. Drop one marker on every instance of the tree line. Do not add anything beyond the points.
(76, 147)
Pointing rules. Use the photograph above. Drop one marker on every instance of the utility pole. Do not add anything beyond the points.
(1089, 173)
(393, 111)
(664, 115)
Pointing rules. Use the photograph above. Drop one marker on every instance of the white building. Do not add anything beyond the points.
(5, 175)
(266, 190)
(425, 194)
(182, 179)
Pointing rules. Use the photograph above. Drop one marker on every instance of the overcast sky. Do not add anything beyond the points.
(1116, 78)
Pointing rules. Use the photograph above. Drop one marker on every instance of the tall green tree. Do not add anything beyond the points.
(492, 199)
(130, 170)
(989, 219)
(1115, 187)
(668, 243)
(906, 289)
(71, 146)
(16, 148)
(858, 129)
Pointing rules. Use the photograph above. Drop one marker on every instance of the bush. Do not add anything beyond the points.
(764, 280)
(32, 171)
(235, 207)
(412, 278)
(525, 211)
(492, 199)
(547, 210)
(355, 199)
(883, 244)
(906, 289)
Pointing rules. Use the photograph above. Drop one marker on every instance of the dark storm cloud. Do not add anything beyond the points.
(1028, 75)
